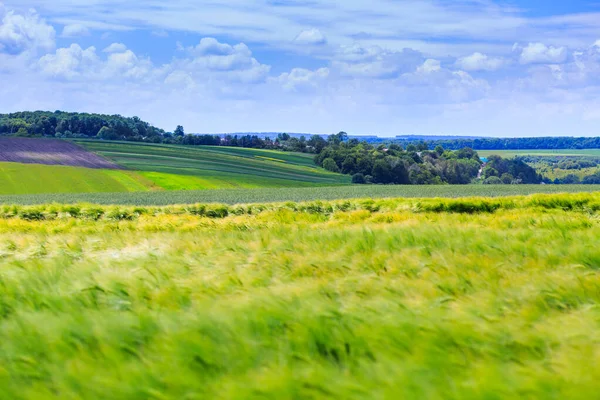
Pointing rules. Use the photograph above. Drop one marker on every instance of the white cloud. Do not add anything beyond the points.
(115, 48)
(311, 37)
(74, 62)
(20, 33)
(75, 30)
(539, 53)
(302, 79)
(429, 66)
(69, 62)
(480, 62)
(211, 59)
(374, 62)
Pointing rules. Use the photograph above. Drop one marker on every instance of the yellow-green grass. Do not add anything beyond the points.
(565, 152)
(471, 298)
(553, 173)
(217, 167)
(215, 181)
(16, 178)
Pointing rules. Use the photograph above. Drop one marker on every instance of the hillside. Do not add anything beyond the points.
(50, 152)
(17, 178)
(33, 166)
(206, 167)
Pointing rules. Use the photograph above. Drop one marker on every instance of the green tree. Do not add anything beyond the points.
(382, 172)
(330, 165)
(179, 132)
(359, 178)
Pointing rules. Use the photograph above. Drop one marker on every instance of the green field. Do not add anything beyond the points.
(16, 178)
(206, 167)
(232, 196)
(388, 299)
(564, 153)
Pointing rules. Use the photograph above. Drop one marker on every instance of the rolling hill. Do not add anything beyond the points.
(174, 167)
(36, 166)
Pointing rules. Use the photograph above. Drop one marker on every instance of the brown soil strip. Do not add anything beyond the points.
(50, 152)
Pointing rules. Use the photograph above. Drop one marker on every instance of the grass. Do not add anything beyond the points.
(566, 153)
(16, 178)
(263, 195)
(465, 298)
(208, 167)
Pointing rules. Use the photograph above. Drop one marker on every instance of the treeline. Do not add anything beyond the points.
(417, 165)
(78, 125)
(68, 125)
(500, 170)
(550, 143)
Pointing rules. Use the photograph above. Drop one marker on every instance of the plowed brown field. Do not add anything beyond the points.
(51, 152)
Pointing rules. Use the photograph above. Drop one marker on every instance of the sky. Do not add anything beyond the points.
(378, 67)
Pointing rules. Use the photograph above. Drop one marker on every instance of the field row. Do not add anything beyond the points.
(261, 168)
(266, 195)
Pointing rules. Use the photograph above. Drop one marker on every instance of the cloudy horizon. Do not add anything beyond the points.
(383, 67)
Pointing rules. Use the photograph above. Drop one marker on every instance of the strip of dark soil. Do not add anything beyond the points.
(50, 152)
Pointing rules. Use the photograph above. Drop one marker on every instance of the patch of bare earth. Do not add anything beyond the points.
(51, 152)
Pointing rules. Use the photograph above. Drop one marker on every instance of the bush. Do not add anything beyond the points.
(330, 165)
(31, 215)
(493, 180)
(359, 179)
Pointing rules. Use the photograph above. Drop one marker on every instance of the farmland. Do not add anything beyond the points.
(232, 196)
(17, 178)
(141, 167)
(396, 298)
(50, 152)
(563, 153)
(206, 167)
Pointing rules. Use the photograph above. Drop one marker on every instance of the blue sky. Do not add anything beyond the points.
(386, 67)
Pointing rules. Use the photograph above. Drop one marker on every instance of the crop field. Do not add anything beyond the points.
(206, 167)
(50, 152)
(564, 153)
(233, 196)
(472, 298)
(17, 178)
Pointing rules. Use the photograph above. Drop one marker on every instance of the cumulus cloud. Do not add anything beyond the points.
(74, 62)
(69, 62)
(480, 62)
(311, 37)
(432, 83)
(539, 53)
(212, 59)
(374, 62)
(115, 48)
(429, 66)
(299, 79)
(22, 33)
(75, 30)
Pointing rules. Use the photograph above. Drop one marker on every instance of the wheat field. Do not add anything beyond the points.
(474, 298)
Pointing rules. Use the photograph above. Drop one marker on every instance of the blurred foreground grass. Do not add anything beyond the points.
(396, 298)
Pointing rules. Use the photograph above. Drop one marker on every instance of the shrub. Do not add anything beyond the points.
(330, 165)
(359, 178)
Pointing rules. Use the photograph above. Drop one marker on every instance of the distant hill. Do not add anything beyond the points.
(434, 137)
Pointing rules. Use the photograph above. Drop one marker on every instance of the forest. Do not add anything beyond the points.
(68, 125)
(529, 143)
(416, 165)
